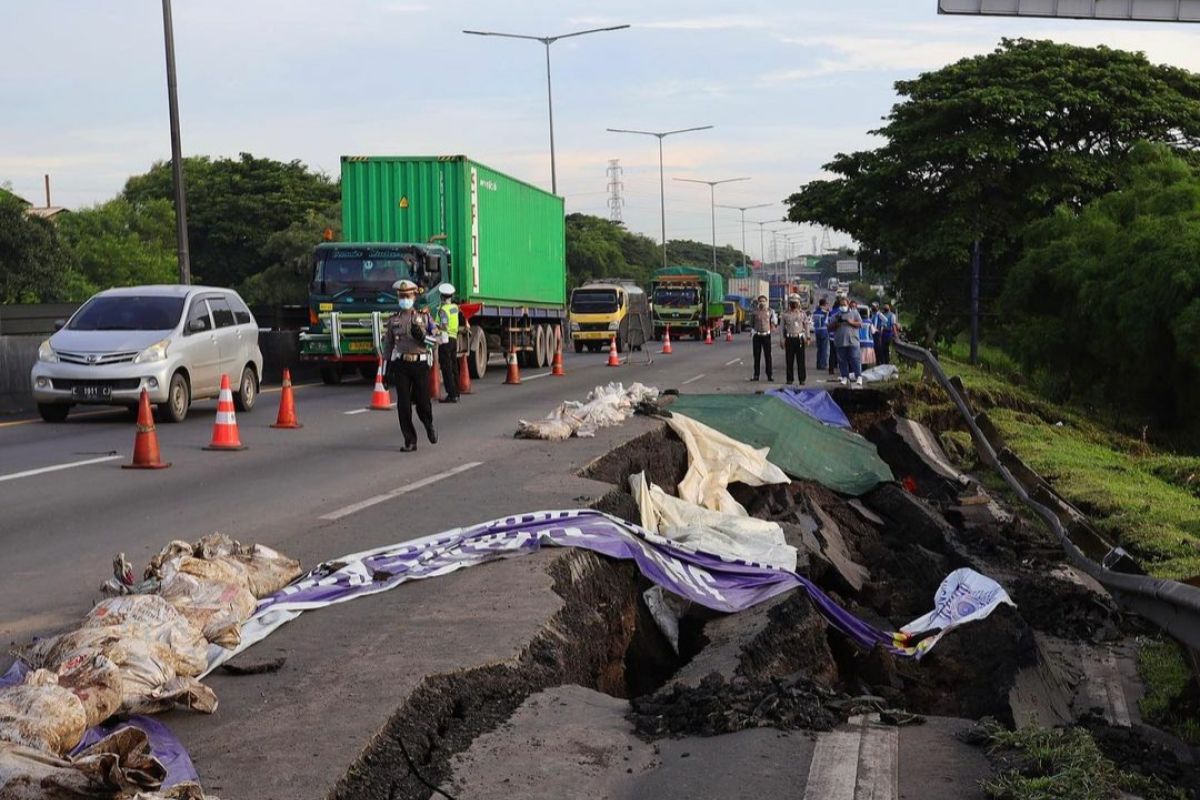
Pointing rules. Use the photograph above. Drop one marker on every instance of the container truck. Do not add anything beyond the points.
(752, 288)
(689, 299)
(435, 219)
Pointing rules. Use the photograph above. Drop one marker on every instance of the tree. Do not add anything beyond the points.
(979, 148)
(1105, 303)
(234, 206)
(120, 243)
(289, 253)
(599, 248)
(35, 267)
(688, 253)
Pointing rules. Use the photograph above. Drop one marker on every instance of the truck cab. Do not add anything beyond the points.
(351, 296)
(678, 302)
(603, 309)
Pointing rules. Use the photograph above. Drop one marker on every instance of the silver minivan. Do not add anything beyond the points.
(173, 341)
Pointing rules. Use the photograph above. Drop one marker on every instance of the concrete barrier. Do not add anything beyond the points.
(17, 355)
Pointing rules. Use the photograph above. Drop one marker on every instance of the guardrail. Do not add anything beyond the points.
(1172, 606)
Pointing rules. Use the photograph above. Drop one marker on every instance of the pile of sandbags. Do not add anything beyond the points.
(604, 407)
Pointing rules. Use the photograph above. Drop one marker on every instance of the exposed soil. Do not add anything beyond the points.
(1067, 609)
(1140, 749)
(659, 453)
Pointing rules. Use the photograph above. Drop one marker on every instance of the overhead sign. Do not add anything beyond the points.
(1113, 10)
(847, 267)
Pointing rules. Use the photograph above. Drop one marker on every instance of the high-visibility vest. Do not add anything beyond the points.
(448, 319)
(819, 320)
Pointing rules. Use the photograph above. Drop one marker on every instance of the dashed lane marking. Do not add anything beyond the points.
(29, 473)
(858, 763)
(535, 377)
(734, 361)
(356, 411)
(412, 487)
(693, 379)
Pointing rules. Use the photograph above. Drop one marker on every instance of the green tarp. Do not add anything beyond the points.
(800, 445)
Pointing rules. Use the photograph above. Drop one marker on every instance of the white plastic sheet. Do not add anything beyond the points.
(715, 461)
(605, 407)
(884, 372)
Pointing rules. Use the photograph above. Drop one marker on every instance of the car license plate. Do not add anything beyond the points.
(92, 392)
(360, 347)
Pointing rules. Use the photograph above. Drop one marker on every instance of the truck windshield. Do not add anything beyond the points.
(128, 313)
(675, 298)
(363, 269)
(730, 308)
(594, 301)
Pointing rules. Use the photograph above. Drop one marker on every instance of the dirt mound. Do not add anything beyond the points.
(1138, 749)
(659, 453)
(717, 706)
(1064, 608)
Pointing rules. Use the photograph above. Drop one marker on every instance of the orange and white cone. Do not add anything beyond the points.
(666, 351)
(381, 398)
(614, 360)
(514, 373)
(145, 443)
(225, 430)
(287, 405)
(556, 368)
(729, 334)
(435, 376)
(464, 375)
(708, 336)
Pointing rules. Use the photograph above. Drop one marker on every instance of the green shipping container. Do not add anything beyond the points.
(506, 238)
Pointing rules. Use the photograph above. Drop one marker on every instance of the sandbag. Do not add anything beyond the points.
(41, 715)
(604, 407)
(217, 609)
(263, 569)
(152, 618)
(119, 765)
(96, 681)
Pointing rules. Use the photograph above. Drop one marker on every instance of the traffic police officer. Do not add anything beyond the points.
(408, 363)
(447, 323)
(761, 322)
(794, 325)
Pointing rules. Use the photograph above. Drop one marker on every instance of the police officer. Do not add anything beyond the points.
(794, 329)
(408, 362)
(820, 318)
(447, 324)
(761, 323)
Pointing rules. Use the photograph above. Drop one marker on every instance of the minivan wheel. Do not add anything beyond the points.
(54, 412)
(179, 397)
(247, 390)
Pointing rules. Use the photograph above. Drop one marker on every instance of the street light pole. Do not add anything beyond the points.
(547, 41)
(662, 188)
(744, 209)
(762, 248)
(181, 237)
(712, 198)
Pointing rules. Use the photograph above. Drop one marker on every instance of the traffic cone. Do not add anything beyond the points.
(708, 335)
(287, 405)
(729, 334)
(225, 429)
(381, 398)
(464, 375)
(514, 374)
(435, 377)
(145, 443)
(556, 368)
(613, 359)
(666, 351)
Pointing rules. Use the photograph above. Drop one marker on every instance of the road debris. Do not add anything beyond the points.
(605, 407)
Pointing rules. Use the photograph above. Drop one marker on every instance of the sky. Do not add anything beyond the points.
(786, 85)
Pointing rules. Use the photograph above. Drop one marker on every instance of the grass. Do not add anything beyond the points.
(1170, 699)
(1061, 764)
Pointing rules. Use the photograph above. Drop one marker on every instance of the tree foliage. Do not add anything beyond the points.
(120, 243)
(234, 206)
(599, 248)
(289, 253)
(980, 148)
(688, 253)
(35, 267)
(1106, 301)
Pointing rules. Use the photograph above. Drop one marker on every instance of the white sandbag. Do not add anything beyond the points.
(715, 461)
(884, 372)
(41, 715)
(217, 608)
(119, 765)
(152, 618)
(721, 534)
(605, 407)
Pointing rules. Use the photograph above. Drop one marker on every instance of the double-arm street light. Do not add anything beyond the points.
(547, 41)
(744, 209)
(712, 199)
(762, 248)
(662, 191)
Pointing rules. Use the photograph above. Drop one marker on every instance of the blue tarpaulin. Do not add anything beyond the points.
(814, 402)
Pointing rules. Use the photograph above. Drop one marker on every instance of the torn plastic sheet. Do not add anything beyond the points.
(817, 403)
(722, 584)
(963, 596)
(716, 460)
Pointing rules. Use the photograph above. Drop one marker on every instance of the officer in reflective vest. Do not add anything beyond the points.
(820, 319)
(447, 322)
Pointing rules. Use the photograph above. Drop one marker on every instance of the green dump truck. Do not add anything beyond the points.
(435, 219)
(689, 299)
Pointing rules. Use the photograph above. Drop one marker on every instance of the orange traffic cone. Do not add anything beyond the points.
(708, 335)
(225, 429)
(145, 443)
(381, 398)
(287, 405)
(435, 377)
(666, 351)
(729, 334)
(556, 367)
(613, 359)
(464, 375)
(514, 374)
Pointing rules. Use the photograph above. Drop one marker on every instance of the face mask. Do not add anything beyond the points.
(406, 303)
(845, 308)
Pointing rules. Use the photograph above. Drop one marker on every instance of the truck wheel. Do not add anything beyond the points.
(477, 356)
(367, 372)
(54, 412)
(578, 346)
(539, 346)
(331, 376)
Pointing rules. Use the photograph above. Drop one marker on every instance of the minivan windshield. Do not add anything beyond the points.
(675, 298)
(594, 301)
(128, 313)
(371, 269)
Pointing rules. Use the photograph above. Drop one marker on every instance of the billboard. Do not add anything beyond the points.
(1113, 10)
(847, 266)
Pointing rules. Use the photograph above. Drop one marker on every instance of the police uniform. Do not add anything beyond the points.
(447, 322)
(794, 324)
(408, 362)
(760, 321)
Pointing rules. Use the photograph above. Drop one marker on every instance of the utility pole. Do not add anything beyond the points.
(181, 237)
(662, 190)
(615, 185)
(712, 200)
(744, 209)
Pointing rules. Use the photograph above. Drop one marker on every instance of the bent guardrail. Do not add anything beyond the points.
(1172, 606)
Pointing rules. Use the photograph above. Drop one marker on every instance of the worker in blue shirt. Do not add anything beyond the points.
(889, 328)
(820, 318)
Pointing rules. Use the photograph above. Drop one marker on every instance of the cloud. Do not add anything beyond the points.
(838, 54)
(403, 8)
(713, 23)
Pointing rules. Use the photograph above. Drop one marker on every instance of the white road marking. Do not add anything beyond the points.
(356, 411)
(535, 377)
(29, 473)
(380, 498)
(855, 764)
(692, 380)
(731, 363)
(1104, 689)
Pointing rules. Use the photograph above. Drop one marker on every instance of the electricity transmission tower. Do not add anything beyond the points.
(615, 186)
